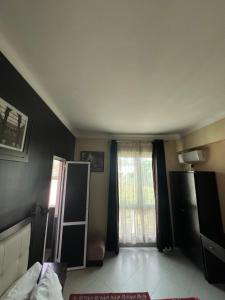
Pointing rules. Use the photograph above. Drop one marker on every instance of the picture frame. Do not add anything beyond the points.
(15, 129)
(96, 158)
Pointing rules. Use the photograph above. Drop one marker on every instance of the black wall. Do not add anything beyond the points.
(23, 185)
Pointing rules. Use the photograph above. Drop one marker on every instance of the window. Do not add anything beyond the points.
(136, 194)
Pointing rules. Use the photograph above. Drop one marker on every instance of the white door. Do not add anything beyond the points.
(74, 215)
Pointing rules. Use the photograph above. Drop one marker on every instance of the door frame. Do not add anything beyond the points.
(55, 157)
(63, 160)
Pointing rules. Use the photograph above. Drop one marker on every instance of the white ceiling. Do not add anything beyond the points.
(121, 66)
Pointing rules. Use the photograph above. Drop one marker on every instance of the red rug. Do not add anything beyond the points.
(119, 296)
(192, 298)
(111, 296)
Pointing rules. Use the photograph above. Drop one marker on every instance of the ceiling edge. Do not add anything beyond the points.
(203, 124)
(90, 135)
(14, 59)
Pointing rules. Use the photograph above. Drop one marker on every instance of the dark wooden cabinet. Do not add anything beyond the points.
(196, 217)
(213, 259)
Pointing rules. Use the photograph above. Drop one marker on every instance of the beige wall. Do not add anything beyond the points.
(212, 138)
(210, 134)
(98, 185)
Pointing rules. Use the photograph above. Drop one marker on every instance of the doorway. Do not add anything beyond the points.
(54, 204)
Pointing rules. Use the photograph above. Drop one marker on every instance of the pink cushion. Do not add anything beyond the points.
(95, 248)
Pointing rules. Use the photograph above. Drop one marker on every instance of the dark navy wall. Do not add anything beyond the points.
(23, 185)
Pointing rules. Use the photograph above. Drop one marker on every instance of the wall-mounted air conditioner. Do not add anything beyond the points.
(192, 157)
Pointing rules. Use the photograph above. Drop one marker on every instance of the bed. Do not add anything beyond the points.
(16, 282)
(14, 253)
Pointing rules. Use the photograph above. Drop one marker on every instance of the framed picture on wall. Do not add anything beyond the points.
(14, 128)
(96, 158)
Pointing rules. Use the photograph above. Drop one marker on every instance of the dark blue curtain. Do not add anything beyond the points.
(163, 220)
(112, 239)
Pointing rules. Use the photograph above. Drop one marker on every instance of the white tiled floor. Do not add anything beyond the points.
(144, 269)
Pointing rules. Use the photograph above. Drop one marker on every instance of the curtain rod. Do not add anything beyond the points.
(137, 141)
(133, 140)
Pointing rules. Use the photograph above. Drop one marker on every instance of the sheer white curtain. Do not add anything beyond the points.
(136, 193)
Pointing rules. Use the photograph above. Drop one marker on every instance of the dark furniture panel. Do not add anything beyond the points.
(197, 223)
(214, 261)
(185, 215)
(208, 204)
(192, 246)
(214, 248)
(178, 206)
(76, 193)
(73, 245)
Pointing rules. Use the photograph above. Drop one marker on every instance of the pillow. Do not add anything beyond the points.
(24, 286)
(48, 287)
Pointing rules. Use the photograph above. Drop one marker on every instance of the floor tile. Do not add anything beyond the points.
(141, 270)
